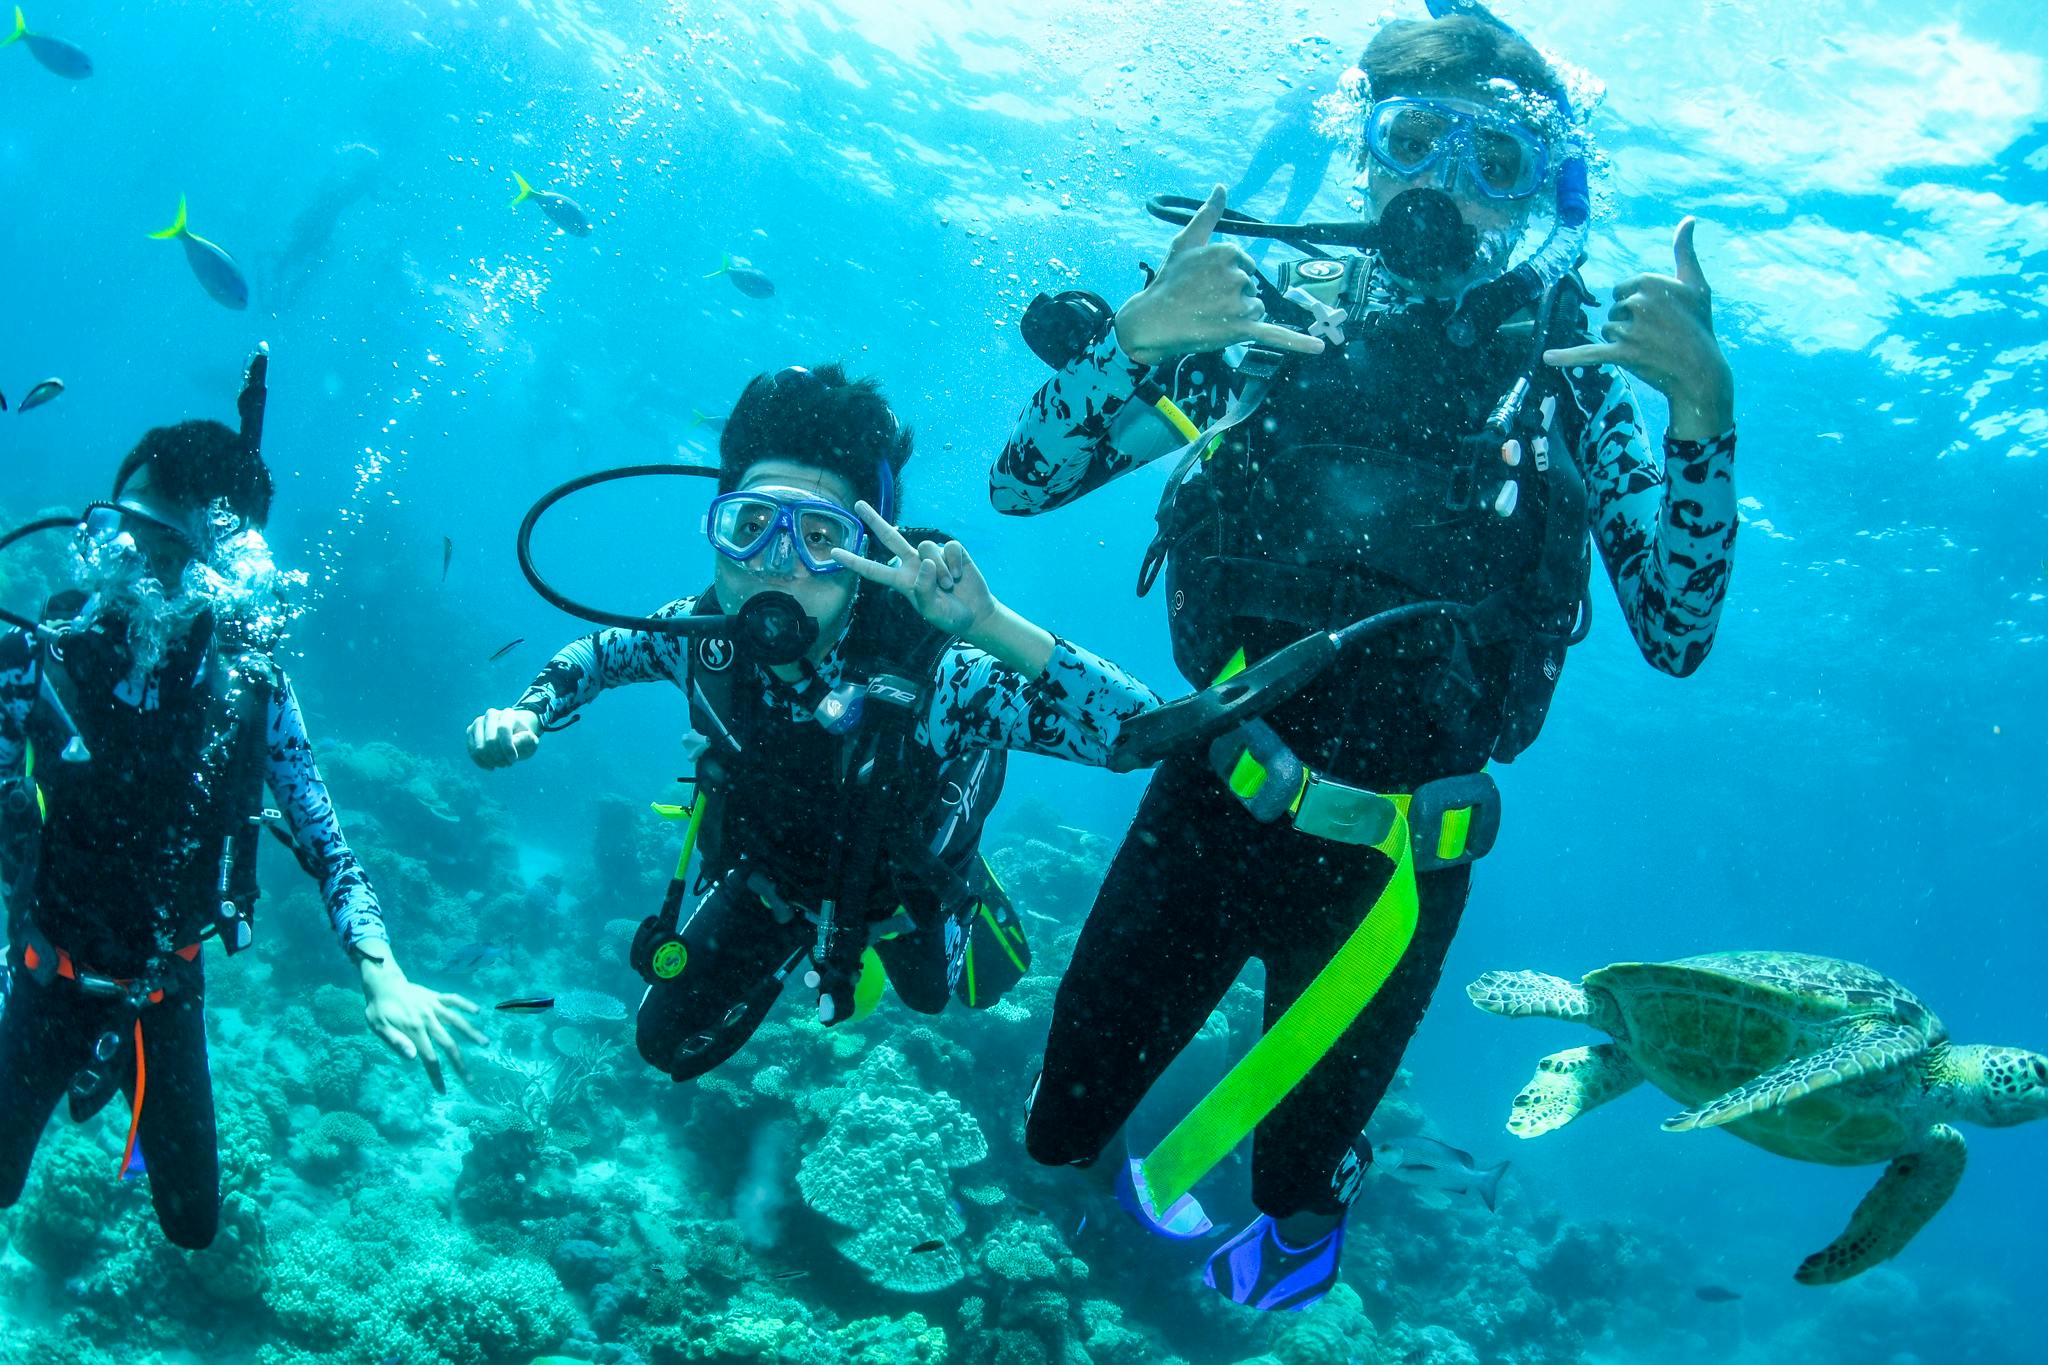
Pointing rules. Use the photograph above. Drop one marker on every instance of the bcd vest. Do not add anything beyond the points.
(1361, 484)
(785, 800)
(150, 842)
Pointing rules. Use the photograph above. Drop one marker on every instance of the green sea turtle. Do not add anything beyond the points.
(1807, 1057)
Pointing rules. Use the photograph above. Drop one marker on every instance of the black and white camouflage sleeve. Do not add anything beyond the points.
(19, 679)
(1087, 425)
(302, 797)
(610, 658)
(1073, 710)
(1666, 533)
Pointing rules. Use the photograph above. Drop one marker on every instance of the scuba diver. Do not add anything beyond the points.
(848, 756)
(1415, 437)
(141, 718)
(1291, 140)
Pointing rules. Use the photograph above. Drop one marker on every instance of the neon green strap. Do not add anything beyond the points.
(1298, 1040)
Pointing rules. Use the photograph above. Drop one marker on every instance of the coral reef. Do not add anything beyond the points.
(845, 1196)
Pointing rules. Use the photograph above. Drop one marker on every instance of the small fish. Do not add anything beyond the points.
(37, 396)
(58, 57)
(565, 212)
(744, 277)
(923, 1248)
(704, 419)
(1437, 1170)
(1714, 1293)
(447, 554)
(3, 402)
(532, 1004)
(471, 957)
(503, 650)
(789, 1275)
(1028, 1210)
(216, 271)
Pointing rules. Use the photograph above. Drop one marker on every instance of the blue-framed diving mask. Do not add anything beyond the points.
(772, 529)
(1500, 157)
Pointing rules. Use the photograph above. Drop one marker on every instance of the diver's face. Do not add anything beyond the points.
(1454, 159)
(826, 598)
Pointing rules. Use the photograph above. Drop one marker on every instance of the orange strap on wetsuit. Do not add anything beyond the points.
(67, 969)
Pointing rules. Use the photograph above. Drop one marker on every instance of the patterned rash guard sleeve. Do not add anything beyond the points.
(610, 658)
(1070, 438)
(302, 796)
(1074, 710)
(18, 683)
(1666, 534)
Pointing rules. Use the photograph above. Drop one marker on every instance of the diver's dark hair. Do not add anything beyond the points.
(195, 464)
(1457, 53)
(816, 417)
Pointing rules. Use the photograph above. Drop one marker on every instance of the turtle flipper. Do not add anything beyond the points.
(1569, 1083)
(1911, 1191)
(1865, 1050)
(1521, 995)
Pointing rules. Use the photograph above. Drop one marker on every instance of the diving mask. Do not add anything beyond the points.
(773, 529)
(132, 524)
(1500, 157)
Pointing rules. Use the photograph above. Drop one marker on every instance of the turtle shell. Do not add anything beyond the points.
(1702, 1026)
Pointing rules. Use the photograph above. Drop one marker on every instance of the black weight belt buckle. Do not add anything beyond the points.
(1471, 800)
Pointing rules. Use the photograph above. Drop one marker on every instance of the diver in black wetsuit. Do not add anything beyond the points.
(841, 795)
(140, 723)
(1292, 142)
(1399, 441)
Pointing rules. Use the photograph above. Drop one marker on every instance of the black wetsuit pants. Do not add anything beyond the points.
(1197, 889)
(47, 1035)
(699, 1018)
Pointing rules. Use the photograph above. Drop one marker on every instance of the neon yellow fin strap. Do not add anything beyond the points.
(868, 988)
(1299, 1039)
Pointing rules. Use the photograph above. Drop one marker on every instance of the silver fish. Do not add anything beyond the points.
(744, 277)
(215, 270)
(39, 395)
(57, 57)
(1437, 1169)
(566, 213)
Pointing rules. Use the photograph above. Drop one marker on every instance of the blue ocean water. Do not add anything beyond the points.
(1855, 772)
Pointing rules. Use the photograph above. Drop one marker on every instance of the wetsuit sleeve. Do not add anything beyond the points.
(1088, 424)
(1666, 533)
(18, 682)
(610, 658)
(302, 795)
(1074, 710)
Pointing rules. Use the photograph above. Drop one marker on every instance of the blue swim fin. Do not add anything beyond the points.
(1257, 1269)
(1182, 1222)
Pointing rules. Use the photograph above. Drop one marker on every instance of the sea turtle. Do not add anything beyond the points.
(1807, 1057)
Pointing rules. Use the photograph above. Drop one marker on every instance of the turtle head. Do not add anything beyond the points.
(1998, 1086)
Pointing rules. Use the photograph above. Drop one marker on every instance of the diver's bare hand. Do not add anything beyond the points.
(416, 1023)
(1661, 330)
(500, 738)
(941, 581)
(945, 585)
(1205, 298)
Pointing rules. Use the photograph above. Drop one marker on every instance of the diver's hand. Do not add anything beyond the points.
(416, 1023)
(1205, 298)
(1661, 330)
(498, 739)
(946, 587)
